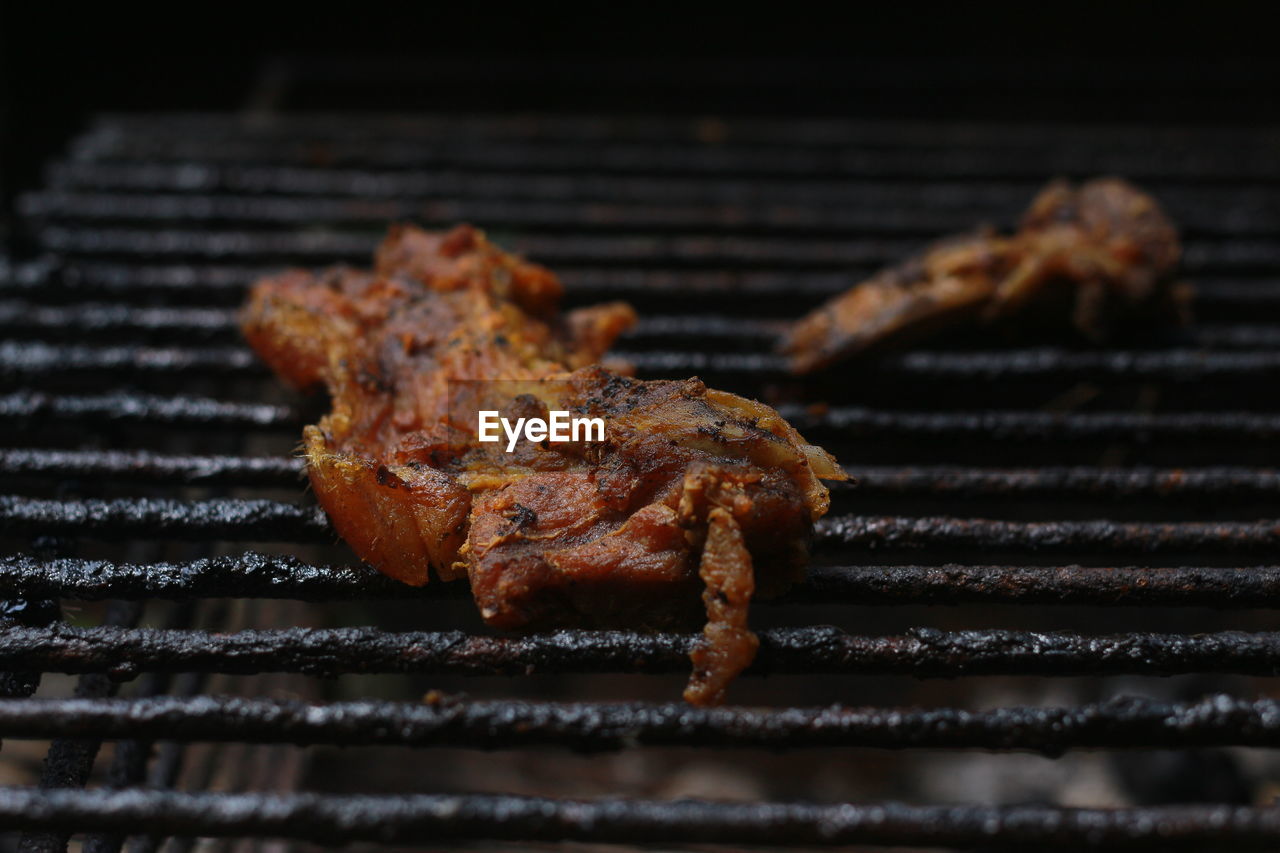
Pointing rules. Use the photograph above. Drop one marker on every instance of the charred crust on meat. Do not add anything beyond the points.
(521, 517)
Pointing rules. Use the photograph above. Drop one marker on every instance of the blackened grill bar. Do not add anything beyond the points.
(587, 216)
(537, 127)
(1081, 481)
(623, 251)
(261, 520)
(945, 532)
(921, 652)
(1032, 363)
(1036, 425)
(1054, 481)
(125, 518)
(253, 575)
(91, 189)
(1118, 723)
(131, 407)
(182, 210)
(145, 466)
(109, 321)
(218, 284)
(1247, 163)
(30, 361)
(429, 818)
(27, 320)
(70, 760)
(27, 361)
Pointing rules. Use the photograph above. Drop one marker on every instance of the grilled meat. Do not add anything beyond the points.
(689, 488)
(1091, 258)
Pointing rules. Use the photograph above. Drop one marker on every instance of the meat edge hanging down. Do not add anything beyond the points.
(690, 488)
(1094, 259)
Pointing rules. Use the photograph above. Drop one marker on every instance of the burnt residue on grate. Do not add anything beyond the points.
(921, 652)
(254, 575)
(435, 817)
(1118, 723)
(1151, 461)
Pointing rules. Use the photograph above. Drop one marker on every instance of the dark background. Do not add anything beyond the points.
(1139, 62)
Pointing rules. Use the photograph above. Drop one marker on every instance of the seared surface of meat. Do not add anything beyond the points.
(689, 487)
(1090, 258)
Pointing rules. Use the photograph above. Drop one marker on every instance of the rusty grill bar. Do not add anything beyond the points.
(151, 228)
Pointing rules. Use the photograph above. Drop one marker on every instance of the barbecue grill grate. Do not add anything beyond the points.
(141, 435)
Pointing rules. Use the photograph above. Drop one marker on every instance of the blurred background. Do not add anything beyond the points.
(1193, 63)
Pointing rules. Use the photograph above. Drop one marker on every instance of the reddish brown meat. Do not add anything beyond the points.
(1093, 259)
(689, 486)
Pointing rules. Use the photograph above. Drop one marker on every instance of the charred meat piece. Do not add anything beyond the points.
(688, 487)
(1092, 259)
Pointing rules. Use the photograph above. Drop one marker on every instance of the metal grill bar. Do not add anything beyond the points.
(31, 360)
(253, 575)
(1082, 481)
(921, 652)
(1246, 162)
(322, 246)
(248, 575)
(954, 480)
(154, 467)
(431, 818)
(132, 407)
(183, 210)
(270, 520)
(70, 760)
(848, 212)
(1052, 585)
(78, 176)
(656, 128)
(35, 611)
(49, 278)
(1040, 362)
(876, 532)
(227, 284)
(114, 320)
(129, 763)
(556, 250)
(126, 518)
(1033, 425)
(941, 480)
(28, 320)
(1119, 723)
(78, 181)
(220, 284)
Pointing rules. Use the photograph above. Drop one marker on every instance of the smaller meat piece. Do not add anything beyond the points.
(1094, 259)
